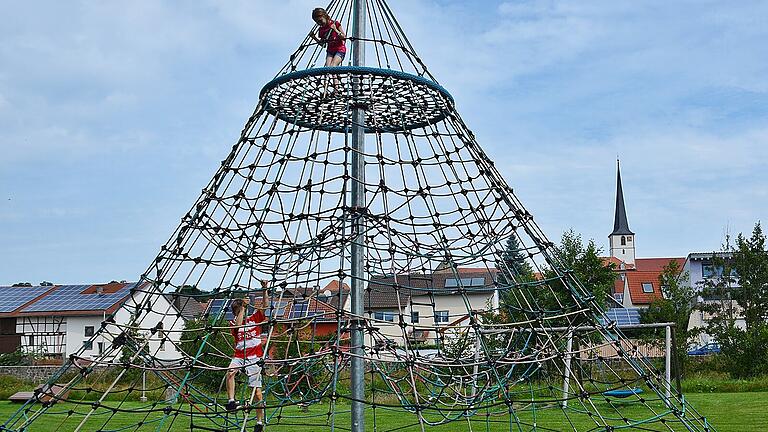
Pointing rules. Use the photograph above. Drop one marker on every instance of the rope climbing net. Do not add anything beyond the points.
(469, 311)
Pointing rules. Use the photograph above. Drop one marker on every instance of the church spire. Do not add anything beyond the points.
(620, 224)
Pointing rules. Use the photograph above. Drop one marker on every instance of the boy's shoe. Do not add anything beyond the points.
(258, 428)
(232, 406)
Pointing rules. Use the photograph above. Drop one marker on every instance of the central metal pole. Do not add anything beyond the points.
(668, 362)
(358, 223)
(567, 374)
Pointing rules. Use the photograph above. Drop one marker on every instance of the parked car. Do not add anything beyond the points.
(708, 349)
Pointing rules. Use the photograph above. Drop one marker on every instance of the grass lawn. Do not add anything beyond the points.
(726, 411)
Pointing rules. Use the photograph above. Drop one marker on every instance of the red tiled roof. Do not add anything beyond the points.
(635, 280)
(109, 288)
(333, 286)
(616, 263)
(645, 270)
(656, 264)
(618, 285)
(477, 270)
(315, 309)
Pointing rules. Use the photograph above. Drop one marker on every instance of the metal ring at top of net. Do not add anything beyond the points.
(323, 99)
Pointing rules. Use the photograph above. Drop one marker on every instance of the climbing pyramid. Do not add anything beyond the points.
(405, 285)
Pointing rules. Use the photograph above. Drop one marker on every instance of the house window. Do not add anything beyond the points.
(88, 345)
(475, 282)
(629, 238)
(31, 340)
(384, 316)
(88, 331)
(623, 241)
(441, 317)
(647, 287)
(415, 317)
(710, 271)
(101, 347)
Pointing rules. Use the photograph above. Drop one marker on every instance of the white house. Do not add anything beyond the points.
(428, 303)
(57, 321)
(701, 268)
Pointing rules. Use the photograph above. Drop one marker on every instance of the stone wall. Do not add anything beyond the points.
(37, 374)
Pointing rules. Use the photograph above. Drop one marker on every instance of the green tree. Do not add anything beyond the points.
(513, 266)
(587, 266)
(750, 263)
(194, 292)
(551, 294)
(676, 305)
(738, 290)
(210, 343)
(514, 272)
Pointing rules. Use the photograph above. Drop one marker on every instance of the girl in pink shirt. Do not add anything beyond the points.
(331, 35)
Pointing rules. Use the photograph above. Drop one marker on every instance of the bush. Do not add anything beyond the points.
(746, 351)
(215, 347)
(16, 358)
(10, 385)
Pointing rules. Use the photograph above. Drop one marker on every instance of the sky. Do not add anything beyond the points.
(114, 115)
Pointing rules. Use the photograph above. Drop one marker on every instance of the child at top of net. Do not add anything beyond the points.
(249, 350)
(331, 35)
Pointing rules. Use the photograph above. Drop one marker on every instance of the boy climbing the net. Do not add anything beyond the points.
(249, 350)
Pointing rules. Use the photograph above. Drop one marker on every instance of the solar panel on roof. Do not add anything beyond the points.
(298, 310)
(278, 307)
(215, 309)
(71, 298)
(622, 316)
(11, 298)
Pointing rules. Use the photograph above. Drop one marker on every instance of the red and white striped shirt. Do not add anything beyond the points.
(248, 336)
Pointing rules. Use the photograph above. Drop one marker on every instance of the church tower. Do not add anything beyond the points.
(621, 240)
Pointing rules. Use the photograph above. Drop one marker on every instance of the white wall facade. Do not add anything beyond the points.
(455, 306)
(61, 335)
(81, 335)
(625, 251)
(42, 335)
(156, 308)
(77, 339)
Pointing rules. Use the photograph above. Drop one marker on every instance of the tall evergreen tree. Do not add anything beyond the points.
(513, 265)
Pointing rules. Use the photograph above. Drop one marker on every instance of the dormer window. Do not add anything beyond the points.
(623, 241)
(647, 287)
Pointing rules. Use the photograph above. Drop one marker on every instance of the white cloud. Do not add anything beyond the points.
(157, 91)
